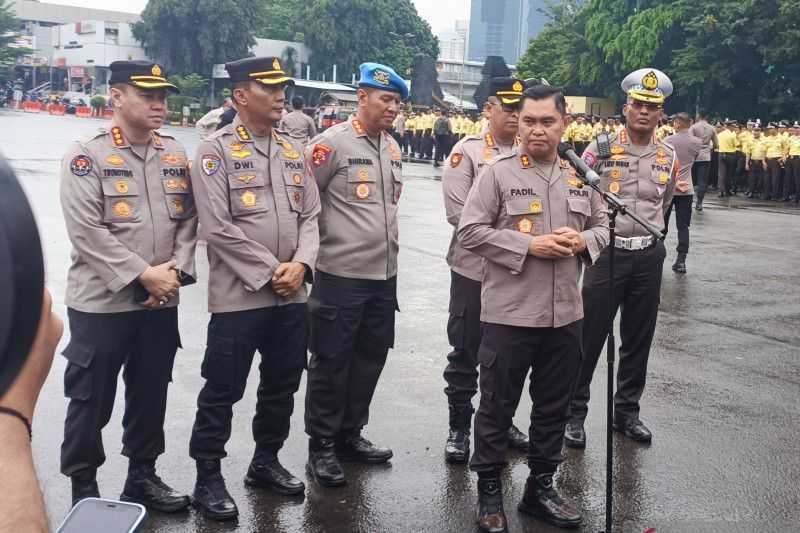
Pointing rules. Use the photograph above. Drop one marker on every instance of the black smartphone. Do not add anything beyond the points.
(97, 515)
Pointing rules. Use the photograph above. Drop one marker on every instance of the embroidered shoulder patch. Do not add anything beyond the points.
(210, 164)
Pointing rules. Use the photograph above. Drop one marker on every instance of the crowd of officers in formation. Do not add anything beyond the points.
(280, 212)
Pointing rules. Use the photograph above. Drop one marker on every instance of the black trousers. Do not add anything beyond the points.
(352, 329)
(464, 335)
(280, 334)
(739, 182)
(506, 354)
(637, 283)
(145, 343)
(727, 172)
(700, 171)
(416, 141)
(442, 147)
(683, 219)
(772, 181)
(791, 184)
(713, 173)
(408, 139)
(756, 177)
(426, 144)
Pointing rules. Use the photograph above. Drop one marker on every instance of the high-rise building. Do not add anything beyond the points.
(503, 28)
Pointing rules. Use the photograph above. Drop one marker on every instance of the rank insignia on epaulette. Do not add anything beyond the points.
(242, 133)
(359, 127)
(116, 134)
(489, 139)
(525, 160)
(157, 142)
(320, 154)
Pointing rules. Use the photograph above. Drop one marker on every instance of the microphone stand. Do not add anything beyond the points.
(616, 206)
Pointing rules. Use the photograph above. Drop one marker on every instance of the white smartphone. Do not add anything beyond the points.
(98, 515)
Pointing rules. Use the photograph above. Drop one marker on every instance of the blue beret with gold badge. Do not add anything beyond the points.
(379, 76)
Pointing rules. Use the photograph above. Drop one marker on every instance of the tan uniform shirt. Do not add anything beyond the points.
(687, 148)
(642, 176)
(298, 125)
(360, 182)
(125, 209)
(514, 199)
(706, 133)
(466, 161)
(258, 207)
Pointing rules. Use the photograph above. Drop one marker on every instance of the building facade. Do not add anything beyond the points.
(503, 28)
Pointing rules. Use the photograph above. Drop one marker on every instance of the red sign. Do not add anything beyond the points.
(77, 72)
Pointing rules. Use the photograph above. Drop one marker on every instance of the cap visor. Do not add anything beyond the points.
(276, 81)
(510, 99)
(653, 98)
(155, 85)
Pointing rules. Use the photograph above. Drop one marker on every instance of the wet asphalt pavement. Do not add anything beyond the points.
(722, 398)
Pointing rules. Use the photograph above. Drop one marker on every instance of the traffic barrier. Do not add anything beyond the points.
(57, 109)
(83, 111)
(108, 113)
(32, 107)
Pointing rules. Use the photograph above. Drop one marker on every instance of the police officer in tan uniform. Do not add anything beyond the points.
(534, 225)
(128, 206)
(466, 162)
(297, 124)
(641, 170)
(358, 168)
(258, 209)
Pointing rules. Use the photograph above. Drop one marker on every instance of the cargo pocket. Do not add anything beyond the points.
(326, 335)
(456, 326)
(78, 375)
(219, 365)
(120, 200)
(488, 380)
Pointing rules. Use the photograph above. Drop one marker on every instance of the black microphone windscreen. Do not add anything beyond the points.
(563, 148)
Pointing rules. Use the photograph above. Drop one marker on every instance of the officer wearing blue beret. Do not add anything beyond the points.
(358, 168)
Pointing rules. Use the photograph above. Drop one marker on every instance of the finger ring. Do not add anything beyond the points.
(162, 301)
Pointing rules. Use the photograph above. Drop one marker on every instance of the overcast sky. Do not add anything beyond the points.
(441, 14)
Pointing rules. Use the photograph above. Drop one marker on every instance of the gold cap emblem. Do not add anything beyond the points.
(517, 86)
(156, 70)
(276, 64)
(650, 81)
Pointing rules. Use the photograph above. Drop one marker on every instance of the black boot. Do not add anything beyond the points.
(145, 487)
(517, 439)
(210, 493)
(354, 447)
(491, 516)
(323, 466)
(456, 450)
(574, 434)
(84, 485)
(542, 501)
(680, 264)
(267, 472)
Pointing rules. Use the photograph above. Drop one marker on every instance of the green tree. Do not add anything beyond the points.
(350, 32)
(289, 59)
(282, 21)
(9, 34)
(192, 85)
(192, 35)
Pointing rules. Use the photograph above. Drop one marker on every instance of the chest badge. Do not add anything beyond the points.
(247, 178)
(297, 179)
(362, 191)
(121, 187)
(525, 225)
(115, 160)
(249, 199)
(663, 178)
(535, 207)
(613, 187)
(177, 205)
(616, 174)
(241, 154)
(122, 209)
(363, 174)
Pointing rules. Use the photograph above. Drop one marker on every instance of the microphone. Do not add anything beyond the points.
(587, 175)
